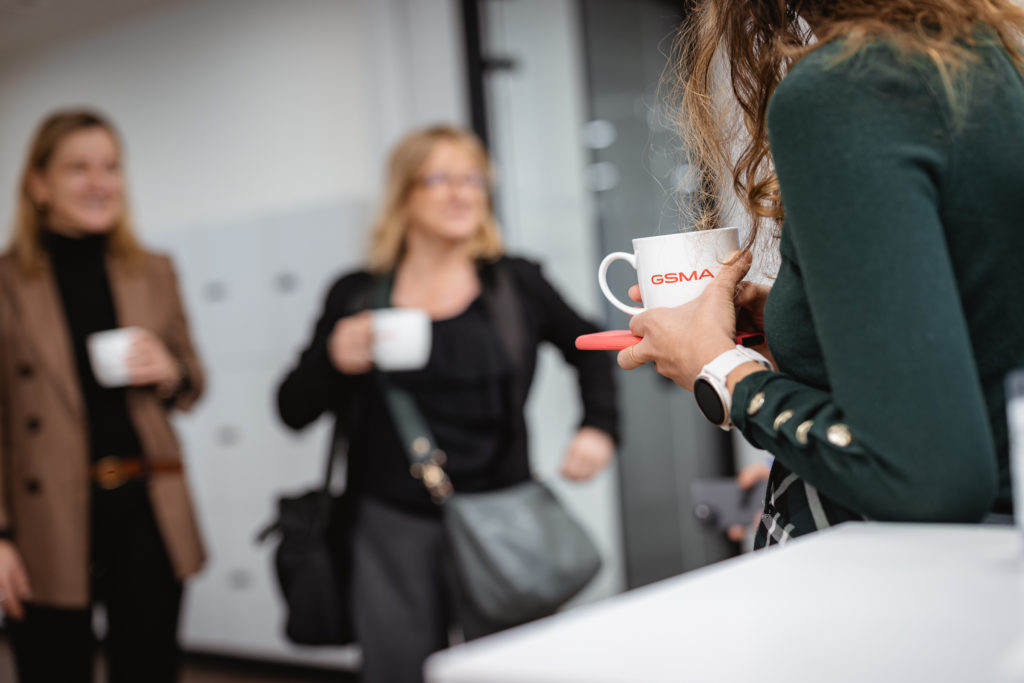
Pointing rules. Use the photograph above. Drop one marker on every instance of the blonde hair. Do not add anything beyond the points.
(30, 218)
(387, 242)
(763, 39)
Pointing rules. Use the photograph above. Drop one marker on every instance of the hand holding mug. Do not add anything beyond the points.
(150, 363)
(350, 346)
(681, 340)
(390, 339)
(132, 356)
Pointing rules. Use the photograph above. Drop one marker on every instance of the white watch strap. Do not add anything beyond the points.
(716, 372)
(726, 362)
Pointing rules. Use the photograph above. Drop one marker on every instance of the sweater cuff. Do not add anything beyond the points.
(775, 411)
(606, 423)
(749, 392)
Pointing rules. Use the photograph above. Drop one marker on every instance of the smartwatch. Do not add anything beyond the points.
(710, 390)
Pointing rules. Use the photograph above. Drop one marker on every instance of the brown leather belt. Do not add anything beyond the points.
(112, 472)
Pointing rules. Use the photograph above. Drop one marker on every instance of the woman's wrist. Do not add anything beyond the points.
(170, 387)
(740, 373)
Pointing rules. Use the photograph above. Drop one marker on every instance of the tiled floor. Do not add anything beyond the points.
(209, 670)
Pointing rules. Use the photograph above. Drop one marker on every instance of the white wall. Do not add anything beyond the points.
(227, 108)
(231, 108)
(419, 72)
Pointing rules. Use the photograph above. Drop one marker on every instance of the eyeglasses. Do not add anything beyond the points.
(473, 181)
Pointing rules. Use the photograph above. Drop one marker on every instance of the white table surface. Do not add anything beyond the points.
(862, 602)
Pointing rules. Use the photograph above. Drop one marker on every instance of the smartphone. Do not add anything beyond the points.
(720, 503)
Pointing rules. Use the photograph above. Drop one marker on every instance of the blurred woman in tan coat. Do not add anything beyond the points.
(93, 501)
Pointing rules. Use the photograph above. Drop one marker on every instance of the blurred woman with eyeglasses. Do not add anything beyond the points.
(438, 238)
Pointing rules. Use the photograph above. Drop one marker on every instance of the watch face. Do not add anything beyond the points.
(709, 402)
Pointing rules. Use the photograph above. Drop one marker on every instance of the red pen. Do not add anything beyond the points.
(616, 340)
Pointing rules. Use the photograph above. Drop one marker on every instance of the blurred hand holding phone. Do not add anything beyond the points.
(719, 502)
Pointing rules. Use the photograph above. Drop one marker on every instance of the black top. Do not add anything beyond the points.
(79, 265)
(462, 392)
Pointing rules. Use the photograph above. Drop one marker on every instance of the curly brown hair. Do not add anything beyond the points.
(755, 42)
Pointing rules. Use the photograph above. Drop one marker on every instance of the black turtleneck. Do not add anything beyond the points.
(79, 265)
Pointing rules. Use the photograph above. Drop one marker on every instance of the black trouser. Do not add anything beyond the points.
(132, 576)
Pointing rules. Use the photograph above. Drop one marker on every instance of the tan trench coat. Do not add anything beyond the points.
(44, 451)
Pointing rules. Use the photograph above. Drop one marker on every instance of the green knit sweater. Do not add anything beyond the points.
(898, 308)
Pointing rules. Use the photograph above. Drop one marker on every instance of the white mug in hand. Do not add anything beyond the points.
(108, 355)
(401, 338)
(672, 269)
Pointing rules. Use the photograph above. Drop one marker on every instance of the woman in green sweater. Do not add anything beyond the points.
(887, 150)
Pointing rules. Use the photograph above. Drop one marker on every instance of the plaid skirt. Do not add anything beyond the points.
(792, 508)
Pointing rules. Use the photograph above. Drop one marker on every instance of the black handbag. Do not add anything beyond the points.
(313, 559)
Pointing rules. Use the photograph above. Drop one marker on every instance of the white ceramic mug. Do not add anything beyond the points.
(672, 269)
(108, 355)
(401, 338)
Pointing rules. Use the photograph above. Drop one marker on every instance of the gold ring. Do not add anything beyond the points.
(632, 355)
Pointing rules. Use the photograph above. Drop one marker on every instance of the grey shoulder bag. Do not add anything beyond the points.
(519, 552)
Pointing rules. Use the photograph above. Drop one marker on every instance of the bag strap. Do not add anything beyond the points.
(361, 299)
(337, 456)
(426, 460)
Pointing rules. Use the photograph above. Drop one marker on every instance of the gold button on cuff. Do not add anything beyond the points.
(421, 445)
(802, 431)
(781, 419)
(755, 403)
(839, 435)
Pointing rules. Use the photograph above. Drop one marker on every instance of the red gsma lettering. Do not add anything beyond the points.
(673, 278)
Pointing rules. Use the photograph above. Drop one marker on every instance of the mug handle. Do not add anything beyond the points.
(602, 280)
